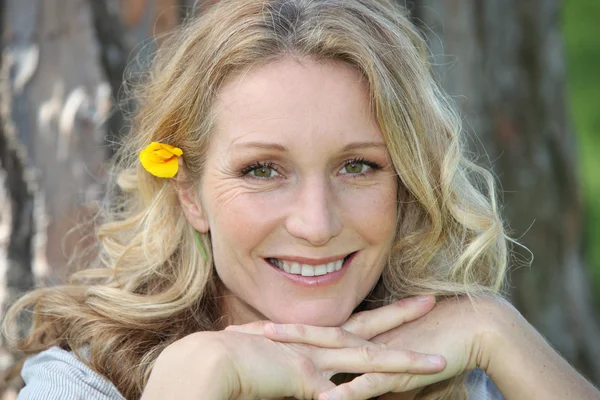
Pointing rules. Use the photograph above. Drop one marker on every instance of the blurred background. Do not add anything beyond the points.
(524, 73)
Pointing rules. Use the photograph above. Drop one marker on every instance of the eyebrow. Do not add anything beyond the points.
(362, 145)
(283, 149)
(262, 145)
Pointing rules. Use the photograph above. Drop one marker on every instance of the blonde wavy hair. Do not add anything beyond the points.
(148, 285)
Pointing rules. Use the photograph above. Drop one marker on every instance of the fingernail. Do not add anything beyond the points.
(423, 298)
(434, 359)
(332, 396)
(278, 329)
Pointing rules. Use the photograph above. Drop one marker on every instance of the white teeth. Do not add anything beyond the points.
(331, 266)
(338, 264)
(321, 269)
(295, 269)
(306, 269)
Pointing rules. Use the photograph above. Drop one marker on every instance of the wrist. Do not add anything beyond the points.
(196, 366)
(524, 366)
(496, 333)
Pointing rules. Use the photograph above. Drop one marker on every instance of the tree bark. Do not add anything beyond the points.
(114, 53)
(54, 97)
(504, 63)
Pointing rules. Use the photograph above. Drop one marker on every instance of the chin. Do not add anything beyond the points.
(314, 320)
(312, 314)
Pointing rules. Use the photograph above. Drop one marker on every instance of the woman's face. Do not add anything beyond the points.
(298, 193)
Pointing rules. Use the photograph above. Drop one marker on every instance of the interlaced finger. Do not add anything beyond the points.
(368, 324)
(375, 384)
(377, 358)
(364, 387)
(330, 337)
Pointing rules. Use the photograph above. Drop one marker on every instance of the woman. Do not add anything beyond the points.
(293, 180)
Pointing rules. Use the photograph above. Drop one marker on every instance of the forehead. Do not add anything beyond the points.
(294, 98)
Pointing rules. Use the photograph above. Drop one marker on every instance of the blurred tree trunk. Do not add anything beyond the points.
(62, 69)
(504, 63)
(53, 96)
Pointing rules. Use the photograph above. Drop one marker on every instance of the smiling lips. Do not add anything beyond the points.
(305, 269)
(299, 268)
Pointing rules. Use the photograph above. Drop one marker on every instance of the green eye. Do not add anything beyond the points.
(354, 168)
(263, 172)
(358, 167)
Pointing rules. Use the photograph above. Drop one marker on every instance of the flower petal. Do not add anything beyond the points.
(167, 169)
(172, 149)
(161, 159)
(163, 154)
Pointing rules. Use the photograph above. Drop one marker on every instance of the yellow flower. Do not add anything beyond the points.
(161, 159)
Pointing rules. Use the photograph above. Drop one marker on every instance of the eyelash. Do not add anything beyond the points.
(269, 165)
(360, 160)
(258, 165)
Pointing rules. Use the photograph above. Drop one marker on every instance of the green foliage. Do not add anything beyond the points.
(581, 28)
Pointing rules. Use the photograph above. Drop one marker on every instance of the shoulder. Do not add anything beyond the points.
(481, 387)
(58, 374)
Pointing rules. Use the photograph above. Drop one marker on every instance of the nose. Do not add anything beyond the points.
(314, 215)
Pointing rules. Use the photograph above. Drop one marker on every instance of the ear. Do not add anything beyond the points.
(190, 203)
(193, 210)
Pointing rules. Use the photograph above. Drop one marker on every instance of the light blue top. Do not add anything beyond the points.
(57, 374)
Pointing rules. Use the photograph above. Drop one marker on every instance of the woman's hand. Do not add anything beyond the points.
(237, 364)
(454, 328)
(232, 365)
(355, 353)
(485, 332)
(460, 329)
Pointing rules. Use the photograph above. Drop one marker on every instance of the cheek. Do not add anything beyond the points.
(241, 219)
(372, 211)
